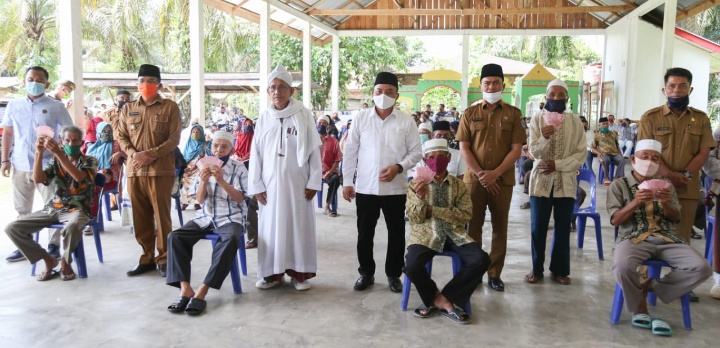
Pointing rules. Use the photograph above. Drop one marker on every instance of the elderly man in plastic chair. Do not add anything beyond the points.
(438, 211)
(221, 192)
(73, 175)
(646, 211)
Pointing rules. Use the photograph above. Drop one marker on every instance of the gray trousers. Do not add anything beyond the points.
(21, 230)
(619, 161)
(24, 195)
(180, 251)
(689, 269)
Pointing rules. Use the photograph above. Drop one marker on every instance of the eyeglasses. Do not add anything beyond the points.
(281, 88)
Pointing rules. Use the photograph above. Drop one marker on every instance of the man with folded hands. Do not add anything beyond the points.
(646, 212)
(438, 211)
(221, 192)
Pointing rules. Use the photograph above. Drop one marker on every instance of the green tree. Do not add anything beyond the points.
(28, 36)
(440, 95)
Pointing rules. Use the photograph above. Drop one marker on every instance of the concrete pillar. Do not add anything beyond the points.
(197, 61)
(264, 12)
(668, 39)
(464, 74)
(335, 83)
(307, 66)
(71, 55)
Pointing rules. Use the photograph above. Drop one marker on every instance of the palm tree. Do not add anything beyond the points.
(28, 33)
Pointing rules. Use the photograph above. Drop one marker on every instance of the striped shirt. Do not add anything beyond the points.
(218, 208)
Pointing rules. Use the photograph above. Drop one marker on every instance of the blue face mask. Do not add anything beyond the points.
(558, 106)
(247, 129)
(225, 159)
(679, 103)
(35, 89)
(321, 129)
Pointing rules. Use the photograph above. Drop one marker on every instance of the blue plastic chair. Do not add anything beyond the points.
(234, 271)
(457, 265)
(581, 214)
(709, 227)
(106, 203)
(320, 195)
(601, 173)
(654, 267)
(96, 223)
(176, 198)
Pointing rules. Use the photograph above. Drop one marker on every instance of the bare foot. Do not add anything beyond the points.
(443, 303)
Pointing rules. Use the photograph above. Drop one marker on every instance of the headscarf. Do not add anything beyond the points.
(101, 150)
(194, 147)
(243, 143)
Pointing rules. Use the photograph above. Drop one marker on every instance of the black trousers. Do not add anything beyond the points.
(368, 211)
(459, 289)
(252, 219)
(333, 185)
(180, 252)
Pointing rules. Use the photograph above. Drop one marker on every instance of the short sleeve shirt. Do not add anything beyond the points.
(491, 135)
(330, 153)
(71, 195)
(682, 137)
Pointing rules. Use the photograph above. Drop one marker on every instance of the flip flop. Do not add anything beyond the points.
(45, 276)
(179, 305)
(661, 328)
(195, 306)
(560, 279)
(68, 275)
(457, 315)
(642, 321)
(429, 311)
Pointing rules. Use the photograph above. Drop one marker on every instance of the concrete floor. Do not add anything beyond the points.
(109, 309)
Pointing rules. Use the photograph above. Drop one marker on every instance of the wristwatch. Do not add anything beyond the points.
(400, 168)
(686, 174)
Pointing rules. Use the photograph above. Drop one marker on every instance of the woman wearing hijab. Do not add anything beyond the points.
(193, 152)
(107, 151)
(243, 140)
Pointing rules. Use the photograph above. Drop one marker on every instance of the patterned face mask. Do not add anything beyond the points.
(106, 137)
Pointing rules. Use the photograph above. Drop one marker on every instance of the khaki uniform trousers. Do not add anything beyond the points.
(499, 205)
(150, 200)
(688, 207)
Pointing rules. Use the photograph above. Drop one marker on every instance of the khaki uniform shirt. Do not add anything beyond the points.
(682, 139)
(155, 128)
(451, 210)
(491, 135)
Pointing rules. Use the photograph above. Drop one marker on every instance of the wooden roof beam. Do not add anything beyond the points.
(693, 10)
(466, 12)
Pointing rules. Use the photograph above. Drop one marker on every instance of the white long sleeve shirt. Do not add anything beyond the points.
(374, 144)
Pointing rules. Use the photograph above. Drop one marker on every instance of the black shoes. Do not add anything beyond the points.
(363, 282)
(162, 269)
(395, 284)
(496, 284)
(140, 269)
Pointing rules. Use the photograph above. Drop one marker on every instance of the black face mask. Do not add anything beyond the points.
(558, 106)
(225, 159)
(120, 104)
(679, 103)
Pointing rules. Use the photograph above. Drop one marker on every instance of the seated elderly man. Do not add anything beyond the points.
(605, 146)
(646, 221)
(74, 177)
(221, 192)
(438, 212)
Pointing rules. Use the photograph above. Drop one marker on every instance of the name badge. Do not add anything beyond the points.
(134, 113)
(663, 128)
(477, 119)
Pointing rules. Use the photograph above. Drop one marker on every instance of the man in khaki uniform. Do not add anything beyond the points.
(122, 97)
(491, 138)
(685, 135)
(149, 130)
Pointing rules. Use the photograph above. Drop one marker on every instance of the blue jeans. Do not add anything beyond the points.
(540, 209)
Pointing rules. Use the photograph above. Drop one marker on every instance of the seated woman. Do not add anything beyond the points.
(221, 191)
(108, 154)
(646, 223)
(194, 150)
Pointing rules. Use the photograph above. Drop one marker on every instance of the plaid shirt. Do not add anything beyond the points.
(218, 208)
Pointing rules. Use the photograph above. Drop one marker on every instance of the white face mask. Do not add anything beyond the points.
(492, 98)
(383, 102)
(646, 168)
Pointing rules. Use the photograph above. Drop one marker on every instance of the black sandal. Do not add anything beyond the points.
(457, 315)
(425, 312)
(179, 305)
(195, 306)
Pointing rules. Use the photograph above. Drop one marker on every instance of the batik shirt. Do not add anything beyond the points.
(451, 210)
(71, 195)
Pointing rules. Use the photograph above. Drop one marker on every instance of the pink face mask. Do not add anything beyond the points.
(438, 165)
(646, 168)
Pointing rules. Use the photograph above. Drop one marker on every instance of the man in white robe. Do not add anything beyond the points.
(285, 174)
